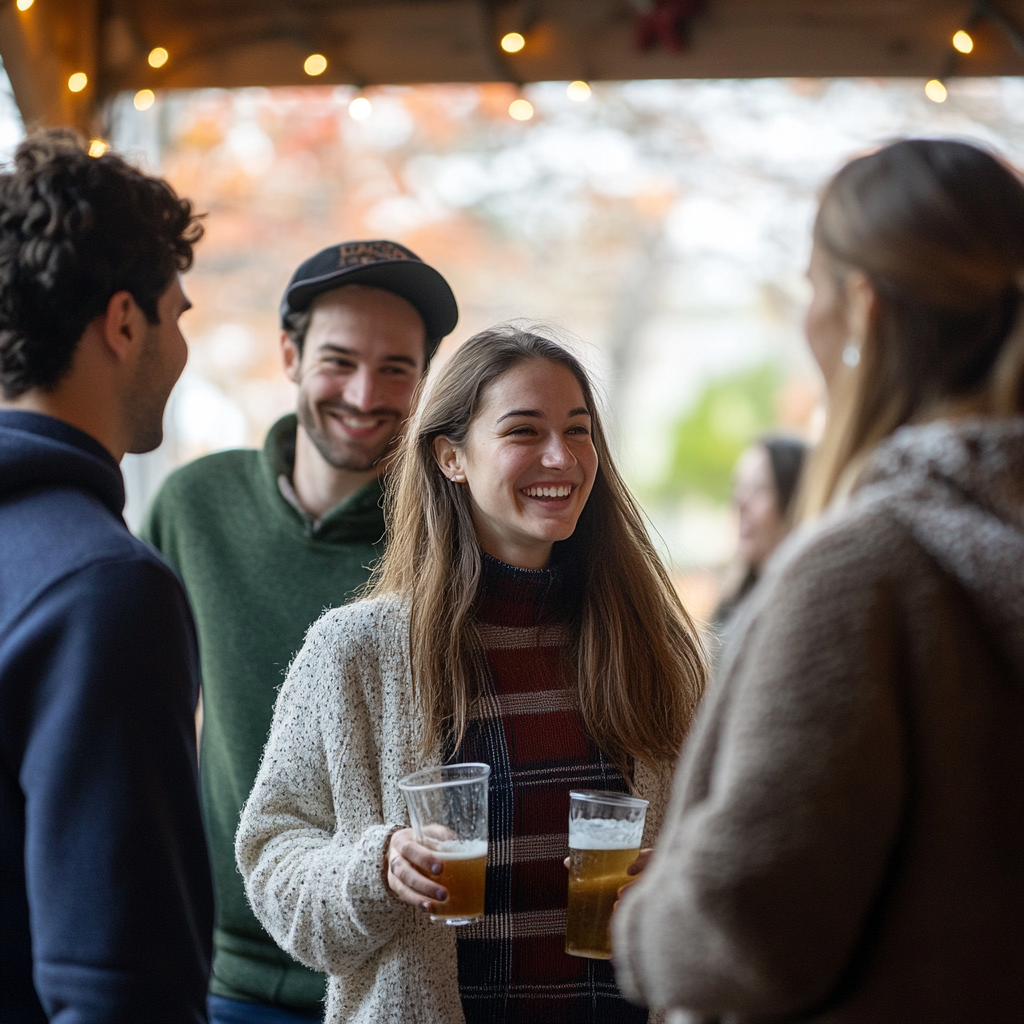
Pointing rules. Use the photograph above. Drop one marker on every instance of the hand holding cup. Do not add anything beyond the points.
(412, 872)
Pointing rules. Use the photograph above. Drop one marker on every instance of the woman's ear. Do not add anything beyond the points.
(861, 305)
(449, 458)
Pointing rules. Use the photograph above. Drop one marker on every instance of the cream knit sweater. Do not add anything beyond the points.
(313, 833)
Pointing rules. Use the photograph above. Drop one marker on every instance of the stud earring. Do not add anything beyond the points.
(851, 354)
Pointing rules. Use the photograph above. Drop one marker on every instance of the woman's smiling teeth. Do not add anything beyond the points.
(550, 491)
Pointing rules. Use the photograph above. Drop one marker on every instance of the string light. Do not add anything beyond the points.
(360, 108)
(157, 57)
(963, 42)
(512, 42)
(24, 5)
(97, 147)
(144, 99)
(579, 92)
(315, 64)
(520, 110)
(935, 91)
(78, 81)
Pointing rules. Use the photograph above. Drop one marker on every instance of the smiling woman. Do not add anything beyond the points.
(529, 462)
(520, 618)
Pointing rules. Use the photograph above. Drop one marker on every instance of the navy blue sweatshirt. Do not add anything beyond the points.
(107, 903)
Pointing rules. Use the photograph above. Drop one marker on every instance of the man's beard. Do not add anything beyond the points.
(346, 455)
(147, 398)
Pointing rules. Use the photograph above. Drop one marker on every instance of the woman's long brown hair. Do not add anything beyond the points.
(638, 659)
(938, 228)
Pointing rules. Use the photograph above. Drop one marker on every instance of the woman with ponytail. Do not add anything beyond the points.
(846, 840)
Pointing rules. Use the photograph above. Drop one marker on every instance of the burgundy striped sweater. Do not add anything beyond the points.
(528, 728)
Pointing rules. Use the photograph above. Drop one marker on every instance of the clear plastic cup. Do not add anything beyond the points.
(448, 812)
(605, 830)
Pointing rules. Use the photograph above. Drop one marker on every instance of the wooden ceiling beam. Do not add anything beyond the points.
(230, 43)
(221, 44)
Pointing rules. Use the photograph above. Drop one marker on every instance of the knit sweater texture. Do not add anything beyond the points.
(313, 834)
(257, 574)
(845, 841)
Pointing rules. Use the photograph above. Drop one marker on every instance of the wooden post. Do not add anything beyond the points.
(41, 49)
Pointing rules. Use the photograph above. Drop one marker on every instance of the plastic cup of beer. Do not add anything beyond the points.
(604, 839)
(448, 813)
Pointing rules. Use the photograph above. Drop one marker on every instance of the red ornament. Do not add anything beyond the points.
(666, 22)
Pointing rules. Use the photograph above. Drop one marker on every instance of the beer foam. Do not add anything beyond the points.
(456, 850)
(604, 834)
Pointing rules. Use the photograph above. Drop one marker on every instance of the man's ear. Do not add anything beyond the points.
(291, 357)
(449, 458)
(124, 326)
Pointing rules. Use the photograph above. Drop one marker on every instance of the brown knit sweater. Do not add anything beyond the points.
(845, 841)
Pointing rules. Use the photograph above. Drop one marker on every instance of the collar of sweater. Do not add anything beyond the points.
(510, 596)
(357, 519)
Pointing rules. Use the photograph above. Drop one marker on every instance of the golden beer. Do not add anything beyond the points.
(448, 814)
(464, 875)
(595, 877)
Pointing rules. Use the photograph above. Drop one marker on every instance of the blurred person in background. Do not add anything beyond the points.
(764, 485)
(846, 841)
(266, 540)
(521, 618)
(107, 901)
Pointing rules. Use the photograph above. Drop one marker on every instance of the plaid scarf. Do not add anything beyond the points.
(528, 728)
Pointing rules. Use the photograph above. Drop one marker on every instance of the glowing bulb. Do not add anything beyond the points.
(97, 147)
(24, 5)
(360, 108)
(578, 91)
(315, 64)
(78, 81)
(935, 91)
(144, 99)
(512, 42)
(157, 57)
(521, 110)
(963, 42)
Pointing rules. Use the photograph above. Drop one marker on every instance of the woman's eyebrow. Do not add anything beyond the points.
(537, 414)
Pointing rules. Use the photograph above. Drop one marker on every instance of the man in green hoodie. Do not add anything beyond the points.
(265, 541)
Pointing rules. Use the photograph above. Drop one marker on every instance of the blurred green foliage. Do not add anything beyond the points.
(730, 412)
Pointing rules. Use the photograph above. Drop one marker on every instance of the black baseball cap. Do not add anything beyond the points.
(380, 264)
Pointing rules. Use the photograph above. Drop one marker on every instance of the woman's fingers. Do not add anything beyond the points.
(634, 869)
(411, 872)
(411, 896)
(641, 862)
(404, 844)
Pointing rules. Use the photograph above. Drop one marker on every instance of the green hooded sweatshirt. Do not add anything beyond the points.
(258, 574)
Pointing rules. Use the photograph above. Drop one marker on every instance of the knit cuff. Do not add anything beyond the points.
(367, 901)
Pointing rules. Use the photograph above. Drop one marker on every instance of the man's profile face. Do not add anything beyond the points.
(161, 361)
(364, 354)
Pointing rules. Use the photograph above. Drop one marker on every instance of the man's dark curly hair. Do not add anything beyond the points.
(74, 230)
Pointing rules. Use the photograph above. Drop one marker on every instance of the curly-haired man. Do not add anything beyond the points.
(107, 893)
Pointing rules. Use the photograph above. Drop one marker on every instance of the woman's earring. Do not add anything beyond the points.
(851, 354)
